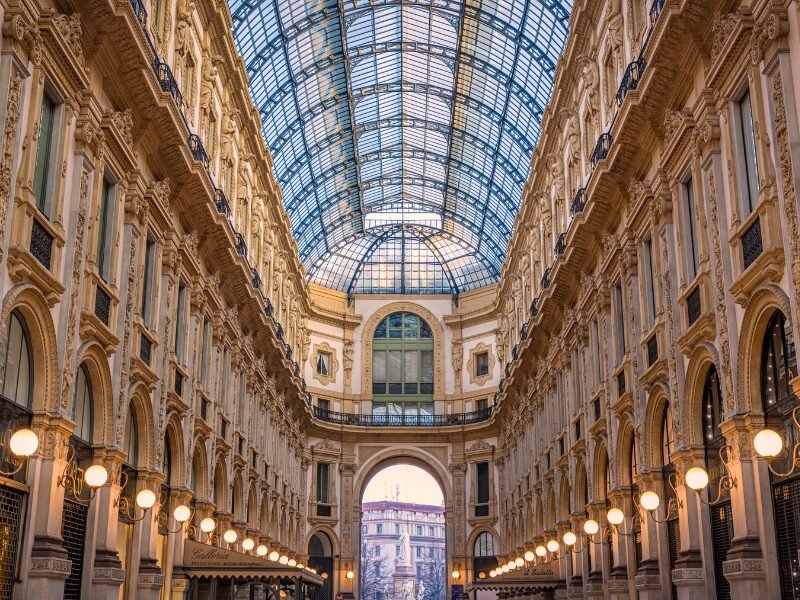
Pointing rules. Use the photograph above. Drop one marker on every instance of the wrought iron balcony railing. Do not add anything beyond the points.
(167, 81)
(561, 244)
(579, 202)
(221, 201)
(360, 420)
(601, 149)
(630, 81)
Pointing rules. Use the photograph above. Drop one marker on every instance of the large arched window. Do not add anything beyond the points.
(713, 410)
(720, 513)
(484, 555)
(131, 441)
(402, 366)
(778, 363)
(82, 414)
(320, 557)
(16, 381)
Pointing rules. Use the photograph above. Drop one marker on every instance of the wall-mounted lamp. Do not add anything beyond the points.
(769, 444)
(230, 536)
(248, 544)
(23, 443)
(182, 515)
(145, 499)
(349, 573)
(650, 501)
(73, 477)
(697, 479)
(262, 550)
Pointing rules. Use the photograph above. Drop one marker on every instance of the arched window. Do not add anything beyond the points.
(778, 363)
(320, 557)
(720, 513)
(402, 366)
(82, 410)
(131, 440)
(219, 486)
(166, 462)
(16, 376)
(483, 555)
(713, 411)
(667, 438)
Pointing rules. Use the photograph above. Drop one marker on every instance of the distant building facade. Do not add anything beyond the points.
(382, 525)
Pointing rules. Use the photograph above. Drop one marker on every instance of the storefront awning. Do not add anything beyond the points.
(204, 561)
(525, 580)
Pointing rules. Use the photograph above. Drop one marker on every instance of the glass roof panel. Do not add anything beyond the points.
(401, 130)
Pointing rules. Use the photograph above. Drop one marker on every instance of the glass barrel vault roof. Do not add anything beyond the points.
(401, 130)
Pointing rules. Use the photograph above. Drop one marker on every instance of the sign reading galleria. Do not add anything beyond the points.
(211, 557)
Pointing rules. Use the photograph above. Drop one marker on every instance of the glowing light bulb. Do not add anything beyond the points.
(182, 513)
(519, 561)
(274, 556)
(292, 562)
(570, 538)
(541, 551)
(248, 544)
(697, 478)
(145, 499)
(552, 546)
(230, 536)
(615, 516)
(650, 501)
(768, 443)
(591, 527)
(529, 556)
(262, 550)
(23, 443)
(208, 525)
(96, 476)
(284, 560)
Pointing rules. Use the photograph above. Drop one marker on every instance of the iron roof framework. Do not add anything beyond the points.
(396, 109)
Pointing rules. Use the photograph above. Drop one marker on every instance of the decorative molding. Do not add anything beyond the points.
(324, 347)
(438, 345)
(472, 363)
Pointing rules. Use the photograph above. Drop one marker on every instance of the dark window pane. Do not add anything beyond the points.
(410, 388)
(396, 321)
(425, 330)
(380, 331)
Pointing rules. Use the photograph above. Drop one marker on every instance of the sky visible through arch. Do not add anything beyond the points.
(406, 483)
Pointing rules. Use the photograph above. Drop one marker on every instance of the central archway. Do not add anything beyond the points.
(403, 526)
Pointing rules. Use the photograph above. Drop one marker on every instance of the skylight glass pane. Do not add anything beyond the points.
(429, 108)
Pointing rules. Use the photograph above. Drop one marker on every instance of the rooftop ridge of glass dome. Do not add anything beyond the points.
(401, 130)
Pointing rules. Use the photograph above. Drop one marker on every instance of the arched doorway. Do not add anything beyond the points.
(403, 537)
(320, 558)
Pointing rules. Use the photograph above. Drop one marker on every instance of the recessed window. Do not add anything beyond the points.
(323, 483)
(16, 376)
(690, 229)
(45, 149)
(482, 364)
(82, 407)
(105, 230)
(147, 279)
(748, 156)
(324, 363)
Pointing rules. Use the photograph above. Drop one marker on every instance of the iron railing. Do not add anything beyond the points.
(579, 202)
(167, 81)
(752, 244)
(361, 420)
(546, 279)
(102, 305)
(41, 243)
(630, 81)
(601, 149)
(197, 149)
(221, 201)
(693, 305)
(561, 244)
(241, 246)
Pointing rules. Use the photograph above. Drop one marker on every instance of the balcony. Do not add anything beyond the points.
(630, 81)
(360, 420)
(546, 279)
(221, 201)
(579, 202)
(167, 81)
(256, 278)
(561, 244)
(197, 149)
(602, 149)
(241, 246)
